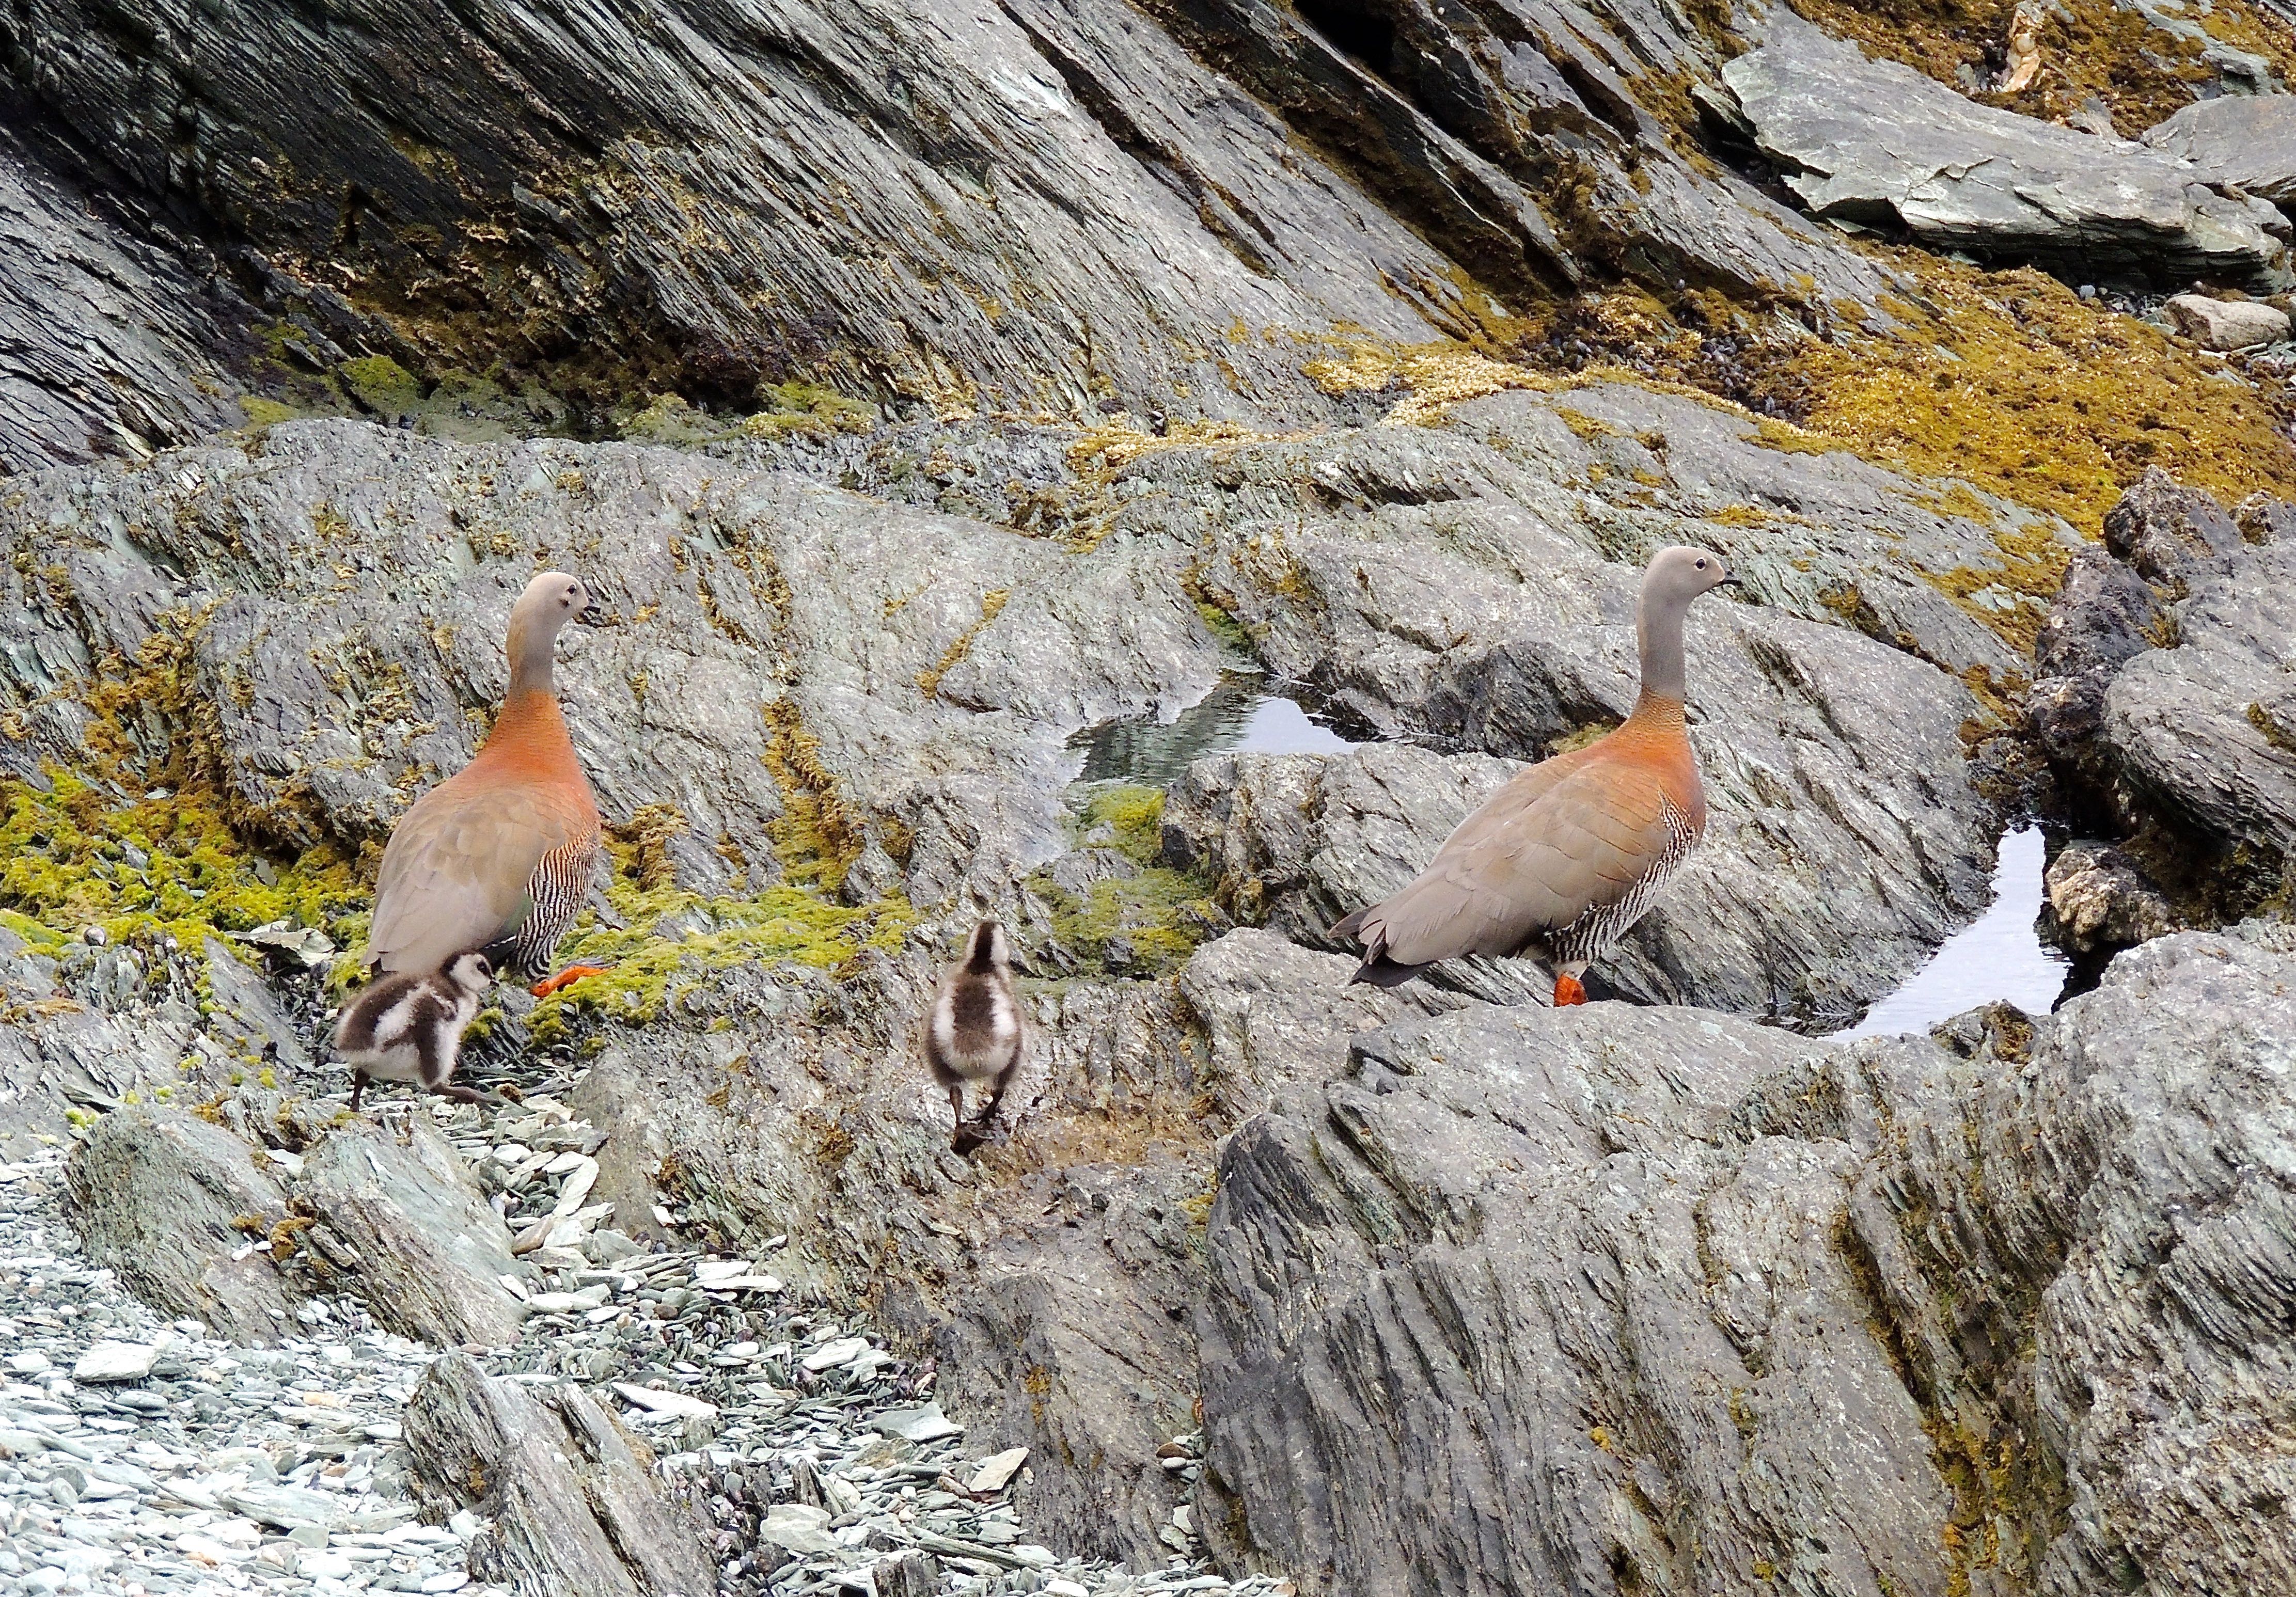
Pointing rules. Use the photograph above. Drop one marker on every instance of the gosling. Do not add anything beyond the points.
(974, 1032)
(409, 1028)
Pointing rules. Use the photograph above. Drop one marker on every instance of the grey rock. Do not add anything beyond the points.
(908, 1574)
(1615, 1298)
(927, 224)
(2192, 728)
(110, 343)
(1591, 1267)
(2241, 141)
(160, 1196)
(2099, 898)
(1873, 141)
(2170, 533)
(2215, 323)
(571, 1508)
(2104, 616)
(428, 1254)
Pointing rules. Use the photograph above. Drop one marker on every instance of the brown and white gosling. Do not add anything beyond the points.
(974, 1032)
(409, 1027)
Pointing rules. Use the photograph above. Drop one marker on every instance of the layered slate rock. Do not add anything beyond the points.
(570, 1507)
(1629, 1300)
(411, 1233)
(179, 1208)
(1875, 142)
(840, 195)
(2170, 697)
(109, 345)
(2206, 729)
(1520, 1308)
(2242, 140)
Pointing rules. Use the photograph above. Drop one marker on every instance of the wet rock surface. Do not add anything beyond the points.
(1573, 1273)
(1873, 141)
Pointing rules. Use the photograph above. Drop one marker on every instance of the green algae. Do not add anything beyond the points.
(1143, 922)
(151, 868)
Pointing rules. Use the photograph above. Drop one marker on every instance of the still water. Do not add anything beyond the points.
(1999, 955)
(1238, 716)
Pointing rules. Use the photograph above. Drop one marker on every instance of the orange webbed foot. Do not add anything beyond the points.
(1568, 991)
(570, 975)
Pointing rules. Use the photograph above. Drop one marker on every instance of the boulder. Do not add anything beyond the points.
(180, 1210)
(2170, 533)
(2105, 615)
(2228, 323)
(1873, 143)
(2099, 898)
(1619, 1299)
(2246, 141)
(2193, 729)
(400, 1223)
(569, 1508)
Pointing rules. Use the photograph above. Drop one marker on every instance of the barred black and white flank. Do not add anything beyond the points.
(974, 1032)
(410, 1027)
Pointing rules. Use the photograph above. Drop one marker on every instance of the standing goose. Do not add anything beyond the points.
(1569, 853)
(974, 1033)
(499, 856)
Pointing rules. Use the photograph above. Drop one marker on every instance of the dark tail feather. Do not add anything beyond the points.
(1351, 927)
(1381, 971)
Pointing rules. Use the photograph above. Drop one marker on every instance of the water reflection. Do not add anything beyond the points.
(1238, 716)
(1997, 956)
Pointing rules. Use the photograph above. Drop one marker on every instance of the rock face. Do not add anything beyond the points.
(725, 197)
(412, 1234)
(2248, 141)
(1607, 1300)
(113, 346)
(1877, 143)
(175, 1204)
(572, 1509)
(2098, 899)
(2167, 701)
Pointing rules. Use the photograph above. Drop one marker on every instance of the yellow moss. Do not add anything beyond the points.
(67, 861)
(2016, 385)
(640, 845)
(1438, 376)
(380, 381)
(992, 605)
(653, 964)
(816, 838)
(265, 412)
(1141, 924)
(1116, 443)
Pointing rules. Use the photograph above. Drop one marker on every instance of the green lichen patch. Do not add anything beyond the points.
(147, 869)
(1142, 918)
(672, 940)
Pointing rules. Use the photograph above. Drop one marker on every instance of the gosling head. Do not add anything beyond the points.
(986, 951)
(470, 974)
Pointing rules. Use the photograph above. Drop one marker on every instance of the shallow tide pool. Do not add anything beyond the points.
(1238, 716)
(1999, 955)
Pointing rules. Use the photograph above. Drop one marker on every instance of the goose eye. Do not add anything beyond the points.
(1701, 565)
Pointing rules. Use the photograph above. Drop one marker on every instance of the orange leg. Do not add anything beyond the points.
(1568, 991)
(571, 974)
